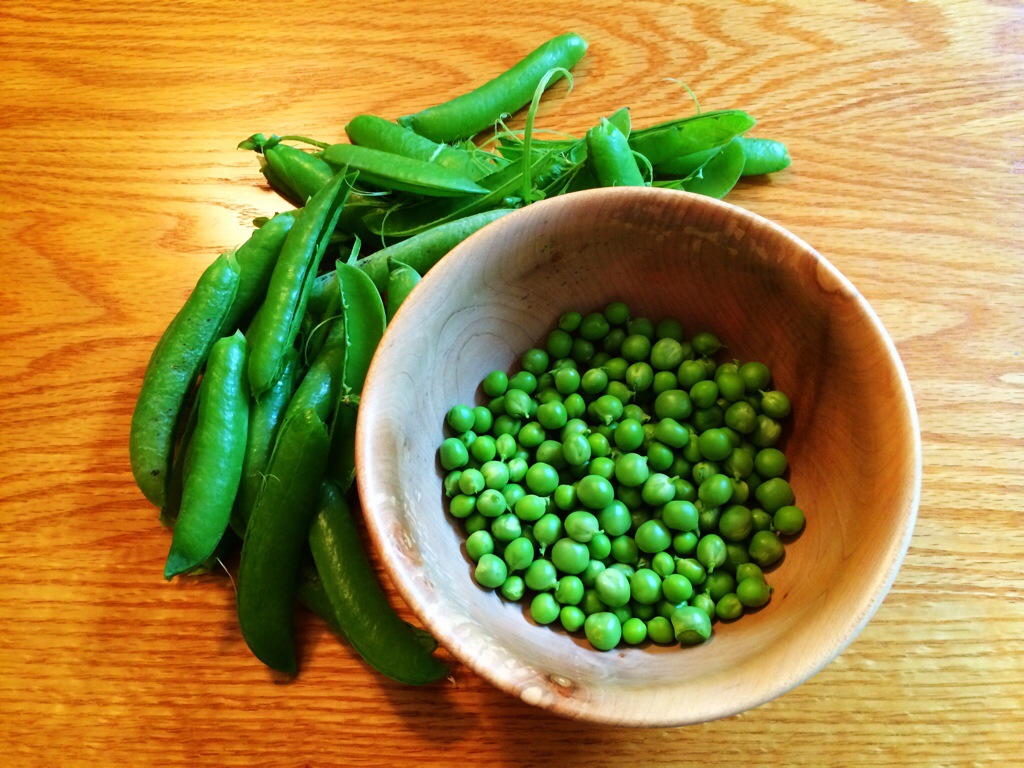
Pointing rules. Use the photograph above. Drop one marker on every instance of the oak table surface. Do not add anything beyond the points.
(121, 182)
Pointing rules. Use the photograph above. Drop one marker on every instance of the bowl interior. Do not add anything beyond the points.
(852, 442)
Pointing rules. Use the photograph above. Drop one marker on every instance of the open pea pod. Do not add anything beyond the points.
(663, 142)
(390, 171)
(501, 185)
(762, 156)
(401, 280)
(364, 317)
(717, 177)
(685, 165)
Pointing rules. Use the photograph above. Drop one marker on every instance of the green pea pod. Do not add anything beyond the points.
(320, 387)
(256, 258)
(266, 414)
(390, 171)
(324, 295)
(663, 142)
(418, 218)
(423, 251)
(511, 146)
(613, 161)
(401, 281)
(268, 571)
(215, 458)
(762, 156)
(277, 323)
(172, 372)
(304, 173)
(359, 603)
(685, 165)
(365, 319)
(378, 133)
(721, 173)
(179, 467)
(467, 115)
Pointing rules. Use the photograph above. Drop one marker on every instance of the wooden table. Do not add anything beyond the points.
(121, 182)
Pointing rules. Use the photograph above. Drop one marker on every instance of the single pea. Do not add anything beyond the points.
(484, 448)
(703, 471)
(755, 376)
(748, 571)
(703, 394)
(691, 569)
(735, 556)
(542, 479)
(517, 468)
(531, 435)
(614, 518)
(453, 454)
(773, 494)
(583, 351)
(738, 464)
(589, 574)
(594, 381)
(479, 544)
(602, 467)
(616, 369)
(639, 377)
(684, 544)
(711, 551)
(641, 326)
(736, 523)
(762, 520)
(671, 433)
(548, 395)
(624, 550)
(608, 408)
(569, 590)
(524, 381)
(471, 482)
(570, 556)
(581, 526)
(612, 343)
(623, 614)
(715, 491)
(634, 631)
(770, 462)
(664, 381)
(513, 588)
(680, 515)
(632, 497)
(517, 403)
(673, 404)
(543, 608)
(741, 417)
(730, 386)
(575, 406)
(690, 625)
(669, 329)
(519, 554)
(629, 434)
(564, 497)
(600, 546)
(705, 343)
(718, 584)
(599, 445)
(559, 344)
(690, 372)
(603, 630)
(617, 313)
(677, 588)
(659, 629)
(775, 404)
(621, 392)
(636, 347)
(704, 602)
(591, 603)
(552, 416)
(612, 587)
(531, 508)
(496, 406)
(491, 503)
(475, 522)
(567, 380)
(666, 354)
(663, 564)
(765, 549)
(570, 321)
(536, 361)
(753, 593)
(643, 612)
(788, 520)
(691, 451)
(460, 418)
(490, 571)
(505, 445)
(709, 364)
(707, 519)
(506, 425)
(548, 529)
(767, 432)
(462, 506)
(546, 383)
(594, 327)
(506, 527)
(631, 470)
(652, 537)
(495, 384)
(541, 575)
(639, 516)
(495, 474)
(658, 489)
(571, 617)
(729, 608)
(595, 492)
(451, 483)
(685, 490)
(645, 586)
(482, 420)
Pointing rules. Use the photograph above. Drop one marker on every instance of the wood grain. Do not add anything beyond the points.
(121, 183)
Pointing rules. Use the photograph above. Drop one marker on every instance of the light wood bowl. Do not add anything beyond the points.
(853, 443)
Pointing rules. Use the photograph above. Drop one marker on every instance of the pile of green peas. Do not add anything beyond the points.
(623, 481)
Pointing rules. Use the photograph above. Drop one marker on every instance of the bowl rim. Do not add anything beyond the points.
(881, 581)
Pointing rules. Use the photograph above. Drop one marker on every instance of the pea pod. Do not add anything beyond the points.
(364, 317)
(693, 134)
(423, 251)
(277, 323)
(467, 115)
(320, 386)
(378, 133)
(266, 415)
(612, 158)
(762, 156)
(359, 603)
(401, 281)
(720, 174)
(171, 508)
(172, 372)
(215, 458)
(256, 258)
(685, 165)
(390, 171)
(268, 571)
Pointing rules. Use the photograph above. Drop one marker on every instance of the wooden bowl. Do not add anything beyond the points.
(852, 442)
